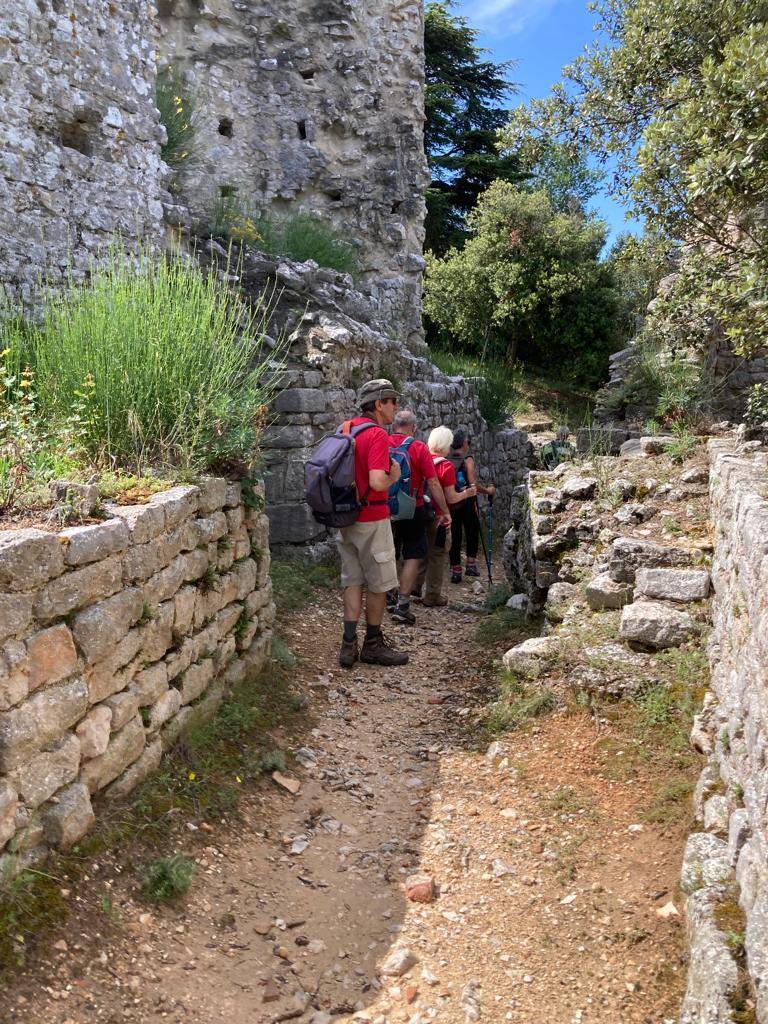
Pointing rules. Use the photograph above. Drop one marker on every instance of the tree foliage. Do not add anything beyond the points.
(527, 283)
(676, 92)
(464, 106)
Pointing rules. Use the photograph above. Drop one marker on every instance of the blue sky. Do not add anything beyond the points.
(542, 36)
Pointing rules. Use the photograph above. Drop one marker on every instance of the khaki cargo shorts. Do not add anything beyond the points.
(368, 556)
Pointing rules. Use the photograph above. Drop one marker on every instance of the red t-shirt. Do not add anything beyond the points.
(371, 452)
(446, 474)
(422, 466)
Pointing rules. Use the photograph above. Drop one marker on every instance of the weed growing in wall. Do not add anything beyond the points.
(299, 236)
(176, 106)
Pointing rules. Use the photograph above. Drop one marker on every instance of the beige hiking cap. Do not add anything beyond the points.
(376, 390)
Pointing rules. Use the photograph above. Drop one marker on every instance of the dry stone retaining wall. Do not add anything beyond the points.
(731, 853)
(113, 637)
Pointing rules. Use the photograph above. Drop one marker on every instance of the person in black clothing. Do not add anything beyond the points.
(465, 518)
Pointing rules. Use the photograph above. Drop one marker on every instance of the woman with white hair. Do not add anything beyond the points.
(439, 444)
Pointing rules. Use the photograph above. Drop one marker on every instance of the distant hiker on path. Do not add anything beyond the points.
(411, 534)
(439, 444)
(465, 516)
(366, 547)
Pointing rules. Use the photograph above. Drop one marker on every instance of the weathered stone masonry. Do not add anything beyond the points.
(732, 794)
(113, 638)
(316, 105)
(79, 134)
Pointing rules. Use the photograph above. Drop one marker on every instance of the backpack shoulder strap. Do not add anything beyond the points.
(439, 460)
(349, 431)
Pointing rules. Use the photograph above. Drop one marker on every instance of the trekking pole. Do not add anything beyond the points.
(490, 535)
(488, 561)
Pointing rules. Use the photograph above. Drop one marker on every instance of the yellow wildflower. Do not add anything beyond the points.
(192, 776)
(4, 353)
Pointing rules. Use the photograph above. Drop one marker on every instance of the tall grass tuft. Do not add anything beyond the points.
(164, 364)
(176, 107)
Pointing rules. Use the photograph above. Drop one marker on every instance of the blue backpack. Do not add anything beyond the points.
(402, 504)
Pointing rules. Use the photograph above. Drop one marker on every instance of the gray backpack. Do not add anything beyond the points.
(329, 477)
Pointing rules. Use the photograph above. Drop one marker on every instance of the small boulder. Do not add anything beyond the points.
(697, 475)
(603, 592)
(673, 584)
(530, 654)
(655, 625)
(655, 445)
(520, 603)
(579, 487)
(559, 596)
(420, 888)
(398, 963)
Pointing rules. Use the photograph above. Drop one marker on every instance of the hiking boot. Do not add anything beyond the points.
(403, 615)
(435, 602)
(471, 569)
(378, 651)
(392, 598)
(349, 653)
(456, 575)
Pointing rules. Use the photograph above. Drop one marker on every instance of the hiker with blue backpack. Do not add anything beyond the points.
(409, 511)
(438, 536)
(347, 483)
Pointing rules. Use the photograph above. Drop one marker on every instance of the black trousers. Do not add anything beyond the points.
(464, 520)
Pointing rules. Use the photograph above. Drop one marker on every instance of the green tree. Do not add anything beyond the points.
(675, 91)
(464, 106)
(529, 284)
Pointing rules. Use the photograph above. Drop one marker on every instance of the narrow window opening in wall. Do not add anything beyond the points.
(226, 127)
(76, 135)
(302, 127)
(309, 74)
(396, 207)
(334, 194)
(227, 191)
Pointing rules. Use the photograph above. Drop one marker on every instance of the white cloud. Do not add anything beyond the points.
(509, 17)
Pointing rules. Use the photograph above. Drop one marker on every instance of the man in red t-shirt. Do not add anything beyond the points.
(366, 547)
(411, 534)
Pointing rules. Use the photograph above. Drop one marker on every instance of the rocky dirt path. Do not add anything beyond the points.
(547, 880)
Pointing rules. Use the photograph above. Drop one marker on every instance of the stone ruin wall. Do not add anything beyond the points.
(728, 859)
(114, 638)
(79, 134)
(321, 109)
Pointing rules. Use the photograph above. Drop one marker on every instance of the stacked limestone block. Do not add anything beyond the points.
(732, 794)
(79, 134)
(113, 637)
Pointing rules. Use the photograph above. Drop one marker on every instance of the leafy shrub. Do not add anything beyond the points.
(757, 404)
(493, 380)
(177, 374)
(176, 108)
(168, 878)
